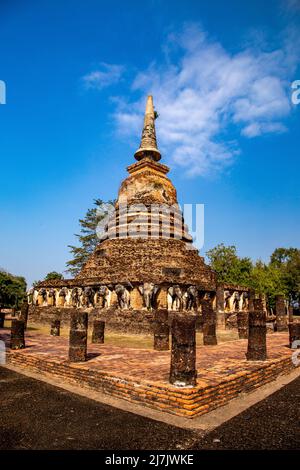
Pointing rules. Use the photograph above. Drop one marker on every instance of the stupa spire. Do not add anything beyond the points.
(148, 146)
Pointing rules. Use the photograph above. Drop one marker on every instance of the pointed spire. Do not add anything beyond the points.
(148, 147)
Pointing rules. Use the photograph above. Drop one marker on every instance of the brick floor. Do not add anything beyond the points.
(142, 374)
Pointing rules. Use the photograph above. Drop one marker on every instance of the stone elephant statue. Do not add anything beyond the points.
(227, 296)
(75, 296)
(191, 298)
(176, 296)
(52, 295)
(123, 296)
(63, 294)
(148, 291)
(88, 297)
(236, 301)
(43, 294)
(104, 293)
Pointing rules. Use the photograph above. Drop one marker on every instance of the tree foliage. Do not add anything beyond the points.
(280, 276)
(53, 275)
(87, 237)
(229, 267)
(12, 290)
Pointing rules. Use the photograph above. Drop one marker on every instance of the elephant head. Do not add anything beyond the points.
(104, 293)
(88, 297)
(177, 297)
(191, 297)
(123, 296)
(148, 291)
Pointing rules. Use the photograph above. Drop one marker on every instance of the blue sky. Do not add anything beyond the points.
(77, 74)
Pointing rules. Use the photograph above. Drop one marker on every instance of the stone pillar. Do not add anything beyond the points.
(281, 317)
(161, 330)
(220, 307)
(24, 313)
(98, 331)
(78, 337)
(2, 318)
(294, 334)
(183, 356)
(291, 314)
(257, 345)
(17, 339)
(55, 328)
(242, 323)
(209, 322)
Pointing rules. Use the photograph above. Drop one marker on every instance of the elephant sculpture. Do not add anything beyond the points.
(123, 296)
(30, 296)
(43, 294)
(227, 296)
(176, 296)
(88, 297)
(236, 301)
(52, 295)
(63, 294)
(148, 291)
(245, 301)
(104, 293)
(75, 296)
(191, 298)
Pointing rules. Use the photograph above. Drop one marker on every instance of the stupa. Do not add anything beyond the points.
(145, 258)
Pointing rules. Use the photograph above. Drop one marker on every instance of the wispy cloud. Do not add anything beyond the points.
(205, 94)
(104, 76)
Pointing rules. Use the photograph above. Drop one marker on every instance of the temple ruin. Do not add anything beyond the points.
(145, 259)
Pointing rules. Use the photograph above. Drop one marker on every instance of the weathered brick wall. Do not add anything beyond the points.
(127, 321)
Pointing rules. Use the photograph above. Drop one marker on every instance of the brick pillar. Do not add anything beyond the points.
(17, 339)
(136, 299)
(55, 328)
(2, 318)
(294, 333)
(220, 307)
(183, 355)
(281, 317)
(161, 330)
(209, 322)
(291, 314)
(98, 331)
(24, 313)
(257, 346)
(242, 323)
(78, 337)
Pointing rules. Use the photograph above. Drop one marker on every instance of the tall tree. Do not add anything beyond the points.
(12, 290)
(88, 238)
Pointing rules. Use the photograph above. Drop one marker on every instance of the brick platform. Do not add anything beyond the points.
(141, 375)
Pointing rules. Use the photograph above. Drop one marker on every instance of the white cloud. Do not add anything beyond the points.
(106, 75)
(206, 92)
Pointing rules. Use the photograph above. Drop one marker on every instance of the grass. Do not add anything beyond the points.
(136, 341)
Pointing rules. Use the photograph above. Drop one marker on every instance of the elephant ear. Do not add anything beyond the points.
(141, 289)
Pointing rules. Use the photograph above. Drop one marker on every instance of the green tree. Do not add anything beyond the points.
(267, 279)
(12, 290)
(53, 275)
(287, 261)
(87, 237)
(229, 267)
